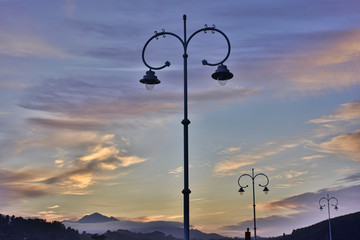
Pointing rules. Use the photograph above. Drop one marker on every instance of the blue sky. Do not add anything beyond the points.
(79, 134)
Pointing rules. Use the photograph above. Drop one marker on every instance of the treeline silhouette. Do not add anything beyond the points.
(18, 228)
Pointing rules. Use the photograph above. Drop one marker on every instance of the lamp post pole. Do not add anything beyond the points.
(328, 199)
(222, 74)
(266, 190)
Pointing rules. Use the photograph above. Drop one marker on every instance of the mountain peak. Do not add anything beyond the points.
(96, 218)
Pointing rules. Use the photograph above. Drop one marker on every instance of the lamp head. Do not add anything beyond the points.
(266, 190)
(321, 208)
(150, 79)
(222, 74)
(336, 208)
(241, 191)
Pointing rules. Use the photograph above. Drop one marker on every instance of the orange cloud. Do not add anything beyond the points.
(70, 176)
(346, 112)
(332, 66)
(312, 157)
(346, 144)
(227, 167)
(230, 150)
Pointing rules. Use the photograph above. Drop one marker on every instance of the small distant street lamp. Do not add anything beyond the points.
(266, 190)
(222, 74)
(328, 199)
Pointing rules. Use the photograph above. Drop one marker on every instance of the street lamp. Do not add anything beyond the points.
(328, 199)
(266, 190)
(222, 74)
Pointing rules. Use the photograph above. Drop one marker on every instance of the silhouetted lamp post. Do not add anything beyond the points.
(328, 199)
(222, 74)
(241, 190)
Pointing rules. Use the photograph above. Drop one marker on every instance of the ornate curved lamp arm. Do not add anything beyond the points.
(328, 201)
(323, 198)
(267, 179)
(241, 177)
(335, 200)
(156, 36)
(185, 45)
(213, 30)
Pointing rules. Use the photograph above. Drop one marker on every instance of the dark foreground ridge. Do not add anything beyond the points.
(18, 228)
(343, 227)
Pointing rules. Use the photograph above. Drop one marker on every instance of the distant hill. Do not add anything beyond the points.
(96, 218)
(98, 223)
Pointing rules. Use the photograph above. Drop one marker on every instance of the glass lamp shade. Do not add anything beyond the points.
(149, 86)
(266, 190)
(241, 191)
(150, 80)
(222, 82)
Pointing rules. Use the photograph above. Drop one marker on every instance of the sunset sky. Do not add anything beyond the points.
(79, 134)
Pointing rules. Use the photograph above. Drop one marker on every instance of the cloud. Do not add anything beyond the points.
(53, 207)
(85, 170)
(306, 62)
(352, 178)
(230, 150)
(338, 140)
(109, 155)
(312, 157)
(344, 145)
(346, 112)
(21, 45)
(177, 170)
(12, 85)
(87, 104)
(305, 201)
(231, 166)
(228, 167)
(55, 139)
(344, 170)
(294, 174)
(89, 97)
(331, 66)
(295, 202)
(103, 160)
(16, 186)
(69, 124)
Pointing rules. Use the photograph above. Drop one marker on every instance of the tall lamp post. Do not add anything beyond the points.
(266, 190)
(222, 74)
(328, 199)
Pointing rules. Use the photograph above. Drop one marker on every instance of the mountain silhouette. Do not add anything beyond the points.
(96, 218)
